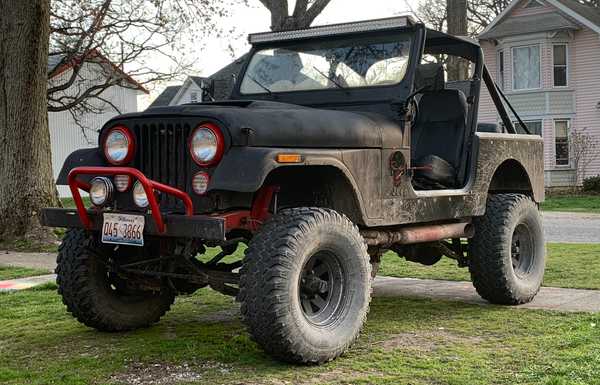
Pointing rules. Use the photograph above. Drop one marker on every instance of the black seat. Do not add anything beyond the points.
(439, 132)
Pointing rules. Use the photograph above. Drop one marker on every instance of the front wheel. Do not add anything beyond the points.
(507, 253)
(306, 285)
(99, 298)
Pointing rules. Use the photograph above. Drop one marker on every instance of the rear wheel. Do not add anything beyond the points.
(305, 285)
(99, 298)
(507, 253)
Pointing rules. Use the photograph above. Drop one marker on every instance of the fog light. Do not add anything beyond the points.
(101, 190)
(200, 183)
(139, 195)
(122, 182)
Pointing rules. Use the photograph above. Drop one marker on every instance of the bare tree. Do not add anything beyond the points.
(128, 34)
(482, 12)
(91, 41)
(479, 14)
(433, 13)
(585, 148)
(305, 12)
(25, 161)
(456, 11)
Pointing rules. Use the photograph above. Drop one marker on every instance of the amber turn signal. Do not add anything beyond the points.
(289, 158)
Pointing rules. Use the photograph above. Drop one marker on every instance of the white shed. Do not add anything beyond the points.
(66, 135)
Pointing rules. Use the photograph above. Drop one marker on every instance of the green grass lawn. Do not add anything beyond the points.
(577, 203)
(11, 272)
(568, 265)
(203, 341)
(69, 203)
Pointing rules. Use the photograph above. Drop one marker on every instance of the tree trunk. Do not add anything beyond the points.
(25, 161)
(304, 14)
(458, 26)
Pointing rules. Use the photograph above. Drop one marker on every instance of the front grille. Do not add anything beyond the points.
(162, 155)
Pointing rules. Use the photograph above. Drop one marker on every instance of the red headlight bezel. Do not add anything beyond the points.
(130, 147)
(220, 144)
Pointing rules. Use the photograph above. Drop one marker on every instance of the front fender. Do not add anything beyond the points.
(245, 169)
(85, 157)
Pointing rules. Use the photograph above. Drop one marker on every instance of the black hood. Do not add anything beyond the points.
(272, 124)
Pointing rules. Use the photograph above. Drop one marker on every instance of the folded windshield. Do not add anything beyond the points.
(328, 65)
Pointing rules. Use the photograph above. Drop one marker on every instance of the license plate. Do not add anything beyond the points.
(123, 229)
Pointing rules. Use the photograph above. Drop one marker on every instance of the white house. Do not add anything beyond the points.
(191, 91)
(68, 135)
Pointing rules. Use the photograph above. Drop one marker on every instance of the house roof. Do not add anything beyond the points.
(198, 80)
(590, 13)
(573, 15)
(165, 97)
(57, 67)
(530, 24)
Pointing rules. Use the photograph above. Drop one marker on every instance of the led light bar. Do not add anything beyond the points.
(333, 29)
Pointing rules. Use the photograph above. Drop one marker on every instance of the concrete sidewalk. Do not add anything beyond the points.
(45, 261)
(549, 298)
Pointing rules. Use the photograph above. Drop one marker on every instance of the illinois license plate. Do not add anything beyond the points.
(123, 229)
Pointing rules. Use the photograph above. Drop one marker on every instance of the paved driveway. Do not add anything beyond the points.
(572, 227)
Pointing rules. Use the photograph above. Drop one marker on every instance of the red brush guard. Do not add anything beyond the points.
(240, 219)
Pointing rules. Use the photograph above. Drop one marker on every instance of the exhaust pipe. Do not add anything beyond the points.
(418, 234)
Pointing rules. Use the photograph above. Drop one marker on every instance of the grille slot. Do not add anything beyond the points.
(161, 156)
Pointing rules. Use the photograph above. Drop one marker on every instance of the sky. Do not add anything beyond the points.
(256, 18)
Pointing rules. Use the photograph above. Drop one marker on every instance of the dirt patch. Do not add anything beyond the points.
(226, 315)
(426, 341)
(337, 376)
(165, 374)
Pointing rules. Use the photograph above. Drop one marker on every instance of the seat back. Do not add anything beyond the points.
(440, 126)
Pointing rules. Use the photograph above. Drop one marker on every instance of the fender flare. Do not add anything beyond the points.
(91, 157)
(245, 169)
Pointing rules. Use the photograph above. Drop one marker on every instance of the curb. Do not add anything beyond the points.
(26, 283)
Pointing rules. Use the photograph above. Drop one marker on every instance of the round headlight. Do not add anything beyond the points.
(118, 145)
(101, 190)
(206, 144)
(139, 195)
(200, 183)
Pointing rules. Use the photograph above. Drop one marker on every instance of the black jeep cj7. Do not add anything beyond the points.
(339, 143)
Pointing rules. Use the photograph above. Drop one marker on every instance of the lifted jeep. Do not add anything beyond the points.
(339, 143)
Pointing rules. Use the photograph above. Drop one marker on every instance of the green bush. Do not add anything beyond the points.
(592, 184)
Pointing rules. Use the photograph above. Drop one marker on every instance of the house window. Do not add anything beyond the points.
(560, 65)
(194, 97)
(501, 69)
(561, 140)
(526, 67)
(534, 126)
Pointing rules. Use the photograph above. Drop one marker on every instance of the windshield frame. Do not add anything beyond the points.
(400, 90)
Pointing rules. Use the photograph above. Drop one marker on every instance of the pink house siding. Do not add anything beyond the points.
(586, 81)
(578, 102)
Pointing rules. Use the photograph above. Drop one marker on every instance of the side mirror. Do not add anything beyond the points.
(208, 90)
